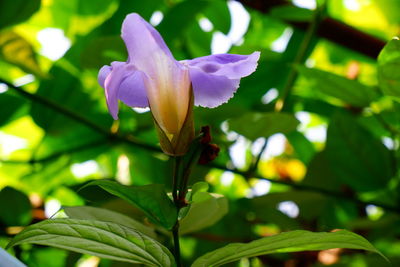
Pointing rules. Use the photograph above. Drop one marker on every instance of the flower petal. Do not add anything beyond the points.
(144, 44)
(216, 78)
(211, 90)
(122, 81)
(103, 73)
(229, 65)
(132, 91)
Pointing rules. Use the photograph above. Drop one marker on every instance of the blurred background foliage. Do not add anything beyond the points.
(327, 160)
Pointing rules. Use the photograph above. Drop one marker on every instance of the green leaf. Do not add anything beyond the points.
(16, 11)
(199, 187)
(218, 13)
(350, 92)
(102, 50)
(7, 101)
(16, 50)
(105, 215)
(356, 156)
(291, 13)
(151, 199)
(263, 124)
(388, 68)
(284, 242)
(303, 148)
(205, 210)
(102, 239)
(69, 94)
(21, 211)
(171, 27)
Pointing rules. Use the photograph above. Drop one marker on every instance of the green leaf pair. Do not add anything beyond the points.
(115, 236)
(117, 242)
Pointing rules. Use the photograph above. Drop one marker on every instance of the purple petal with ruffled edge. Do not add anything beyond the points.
(122, 81)
(216, 78)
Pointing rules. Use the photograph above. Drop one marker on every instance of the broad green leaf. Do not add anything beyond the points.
(69, 94)
(356, 156)
(102, 50)
(218, 13)
(205, 210)
(200, 187)
(291, 13)
(293, 241)
(172, 27)
(303, 148)
(388, 68)
(105, 215)
(263, 124)
(350, 92)
(19, 209)
(198, 41)
(151, 199)
(16, 50)
(102, 239)
(16, 11)
(7, 101)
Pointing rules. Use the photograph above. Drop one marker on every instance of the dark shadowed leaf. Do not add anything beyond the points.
(356, 156)
(16, 208)
(13, 12)
(151, 199)
(7, 101)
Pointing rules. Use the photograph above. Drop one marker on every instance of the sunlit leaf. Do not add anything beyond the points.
(103, 239)
(205, 210)
(16, 50)
(349, 91)
(285, 242)
(388, 68)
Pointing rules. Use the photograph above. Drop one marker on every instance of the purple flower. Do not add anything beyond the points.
(151, 77)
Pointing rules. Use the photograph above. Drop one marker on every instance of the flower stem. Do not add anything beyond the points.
(177, 249)
(175, 229)
(175, 178)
